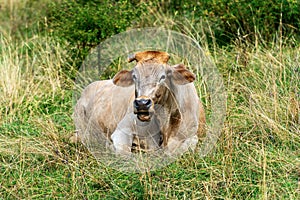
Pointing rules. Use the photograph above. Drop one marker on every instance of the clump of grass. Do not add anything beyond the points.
(30, 71)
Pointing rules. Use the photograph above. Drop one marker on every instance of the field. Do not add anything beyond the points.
(256, 157)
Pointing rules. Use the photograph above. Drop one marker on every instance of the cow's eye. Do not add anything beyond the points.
(162, 78)
(134, 77)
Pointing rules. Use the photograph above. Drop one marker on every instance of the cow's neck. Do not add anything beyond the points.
(171, 116)
(168, 100)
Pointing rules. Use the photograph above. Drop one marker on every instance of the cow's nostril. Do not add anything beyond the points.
(147, 102)
(136, 103)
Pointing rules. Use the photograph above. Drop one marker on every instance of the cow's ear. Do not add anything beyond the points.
(180, 75)
(123, 78)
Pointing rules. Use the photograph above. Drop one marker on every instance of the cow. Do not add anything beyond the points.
(153, 106)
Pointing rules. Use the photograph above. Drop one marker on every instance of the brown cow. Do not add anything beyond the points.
(154, 106)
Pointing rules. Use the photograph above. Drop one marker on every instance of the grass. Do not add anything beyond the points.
(257, 156)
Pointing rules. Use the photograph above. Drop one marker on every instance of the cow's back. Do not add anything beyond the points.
(101, 107)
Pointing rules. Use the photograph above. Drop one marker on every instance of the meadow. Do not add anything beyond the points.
(256, 157)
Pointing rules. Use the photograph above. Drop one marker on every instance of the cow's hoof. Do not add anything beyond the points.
(123, 151)
(74, 138)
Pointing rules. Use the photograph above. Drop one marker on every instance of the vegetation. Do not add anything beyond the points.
(257, 156)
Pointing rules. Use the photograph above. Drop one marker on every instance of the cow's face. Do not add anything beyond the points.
(152, 79)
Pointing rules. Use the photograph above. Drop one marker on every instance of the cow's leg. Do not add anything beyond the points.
(122, 142)
(190, 143)
(182, 139)
(173, 146)
(177, 147)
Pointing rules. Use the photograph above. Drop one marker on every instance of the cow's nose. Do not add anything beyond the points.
(142, 104)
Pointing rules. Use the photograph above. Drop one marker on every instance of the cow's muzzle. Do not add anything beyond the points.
(142, 108)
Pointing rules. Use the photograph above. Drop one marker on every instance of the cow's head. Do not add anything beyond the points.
(152, 78)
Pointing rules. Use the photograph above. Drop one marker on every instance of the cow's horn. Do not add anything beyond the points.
(131, 57)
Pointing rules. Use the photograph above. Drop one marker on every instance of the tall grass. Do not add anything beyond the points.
(257, 156)
(29, 70)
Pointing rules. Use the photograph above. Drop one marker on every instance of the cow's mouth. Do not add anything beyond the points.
(144, 116)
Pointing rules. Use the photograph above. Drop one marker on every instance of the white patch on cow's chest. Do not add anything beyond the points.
(130, 127)
(146, 129)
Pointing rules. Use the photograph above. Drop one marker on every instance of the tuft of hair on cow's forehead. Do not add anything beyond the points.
(149, 56)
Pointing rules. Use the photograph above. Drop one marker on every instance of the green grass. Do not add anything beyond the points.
(257, 156)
